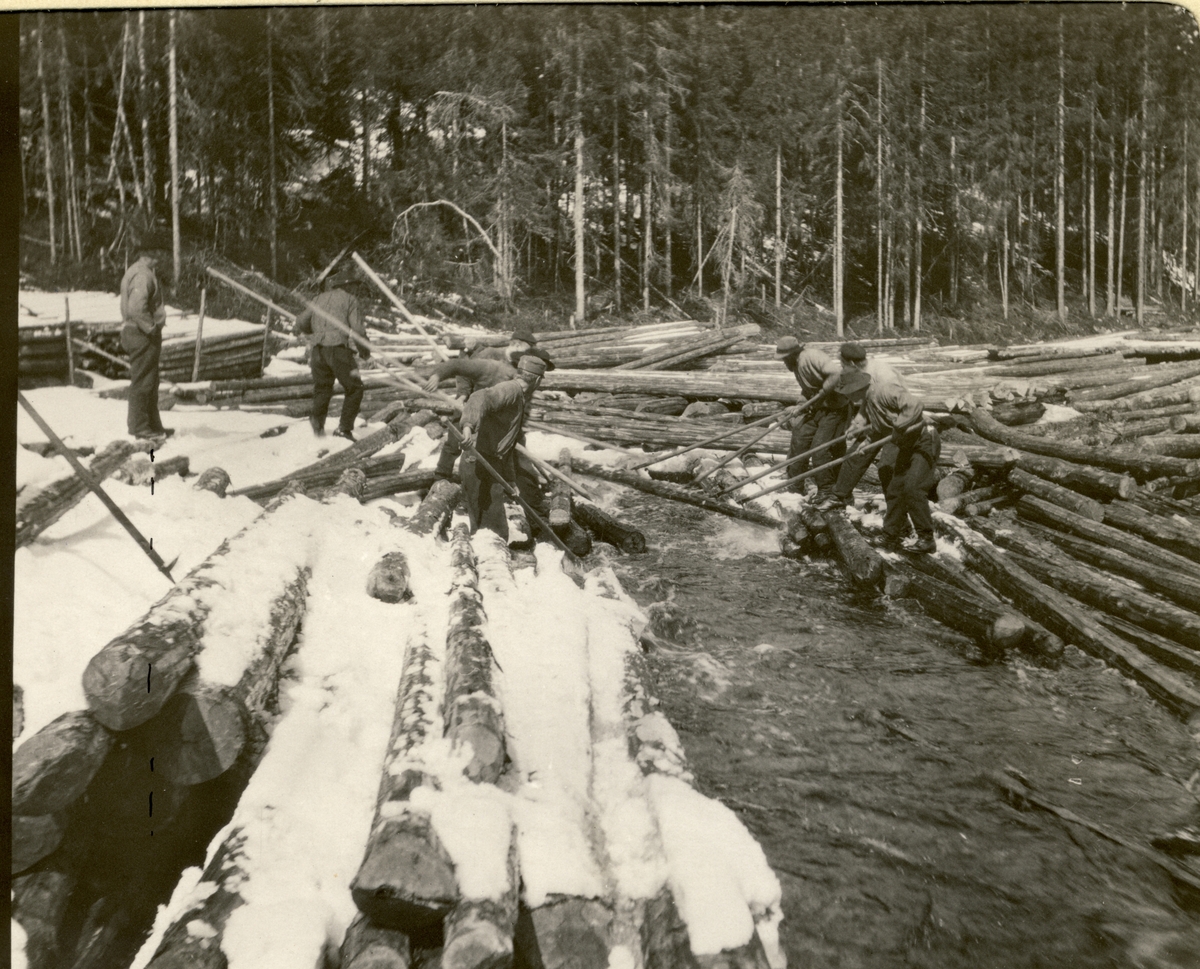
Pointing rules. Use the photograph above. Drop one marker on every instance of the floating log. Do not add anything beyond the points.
(860, 560)
(1134, 462)
(1161, 376)
(1031, 484)
(131, 678)
(1071, 621)
(608, 529)
(663, 489)
(1178, 394)
(53, 768)
(997, 629)
(816, 526)
(1179, 587)
(1178, 536)
(1052, 566)
(1158, 648)
(41, 509)
(1034, 509)
(473, 717)
(1079, 477)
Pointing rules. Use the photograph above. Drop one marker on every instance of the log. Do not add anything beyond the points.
(388, 580)
(697, 352)
(655, 430)
(1044, 351)
(1018, 412)
(479, 932)
(53, 768)
(695, 385)
(1136, 429)
(1034, 509)
(215, 480)
(198, 734)
(1158, 648)
(817, 526)
(1175, 445)
(472, 713)
(38, 511)
(962, 501)
(1176, 535)
(663, 489)
(34, 836)
(391, 484)
(664, 357)
(565, 933)
(996, 629)
(1136, 463)
(1162, 376)
(608, 529)
(1041, 366)
(1179, 394)
(1031, 484)
(862, 562)
(577, 538)
(954, 483)
(367, 946)
(1052, 566)
(39, 904)
(435, 508)
(1188, 423)
(979, 457)
(132, 677)
(1180, 588)
(1079, 477)
(139, 470)
(1070, 620)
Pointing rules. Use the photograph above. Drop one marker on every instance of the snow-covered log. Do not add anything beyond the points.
(39, 510)
(435, 508)
(388, 580)
(367, 946)
(131, 678)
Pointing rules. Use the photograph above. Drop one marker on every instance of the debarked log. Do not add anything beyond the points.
(1031, 484)
(38, 511)
(1079, 477)
(131, 678)
(862, 562)
(996, 629)
(1069, 619)
(664, 489)
(1164, 375)
(1179, 536)
(1165, 397)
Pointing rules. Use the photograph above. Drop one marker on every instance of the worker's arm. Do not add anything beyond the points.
(140, 306)
(304, 322)
(354, 318)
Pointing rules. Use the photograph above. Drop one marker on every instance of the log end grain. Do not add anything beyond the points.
(570, 933)
(478, 940)
(54, 766)
(215, 480)
(124, 687)
(406, 881)
(367, 946)
(752, 955)
(388, 581)
(475, 721)
(40, 901)
(198, 735)
(1008, 631)
(34, 837)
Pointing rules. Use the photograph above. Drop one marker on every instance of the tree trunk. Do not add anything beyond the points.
(617, 207)
(144, 108)
(580, 299)
(838, 254)
(271, 186)
(174, 143)
(47, 139)
(1091, 207)
(880, 298)
(1142, 176)
(1158, 377)
(70, 184)
(647, 209)
(1172, 533)
(919, 221)
(1110, 292)
(779, 226)
(1060, 167)
(1121, 231)
(862, 562)
(667, 266)
(53, 768)
(435, 508)
(1183, 215)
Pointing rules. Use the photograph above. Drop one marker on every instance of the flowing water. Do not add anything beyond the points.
(859, 740)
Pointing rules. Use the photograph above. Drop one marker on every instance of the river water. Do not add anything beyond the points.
(858, 741)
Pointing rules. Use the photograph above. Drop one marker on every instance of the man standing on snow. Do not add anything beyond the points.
(906, 462)
(143, 316)
(492, 422)
(817, 373)
(332, 351)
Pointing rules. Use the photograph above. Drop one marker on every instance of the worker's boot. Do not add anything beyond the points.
(925, 545)
(342, 432)
(318, 427)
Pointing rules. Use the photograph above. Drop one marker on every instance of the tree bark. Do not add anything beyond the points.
(47, 139)
(1173, 534)
(271, 186)
(1155, 377)
(144, 110)
(1060, 167)
(173, 108)
(53, 768)
(435, 508)
(1031, 484)
(580, 298)
(608, 529)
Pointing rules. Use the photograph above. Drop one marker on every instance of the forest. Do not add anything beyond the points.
(875, 167)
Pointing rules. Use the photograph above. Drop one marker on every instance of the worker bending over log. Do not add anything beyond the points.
(906, 462)
(481, 369)
(817, 374)
(332, 353)
(492, 422)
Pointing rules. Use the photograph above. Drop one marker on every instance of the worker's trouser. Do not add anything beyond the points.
(451, 449)
(484, 494)
(144, 351)
(818, 427)
(327, 363)
(906, 474)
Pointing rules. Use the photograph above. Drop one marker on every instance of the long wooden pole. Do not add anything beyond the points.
(199, 337)
(386, 290)
(729, 459)
(861, 452)
(783, 464)
(788, 412)
(70, 348)
(94, 486)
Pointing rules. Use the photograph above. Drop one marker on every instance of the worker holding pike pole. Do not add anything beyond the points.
(817, 373)
(906, 462)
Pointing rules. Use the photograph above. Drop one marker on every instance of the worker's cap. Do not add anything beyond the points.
(345, 278)
(854, 352)
(524, 336)
(533, 365)
(542, 355)
(786, 346)
(852, 384)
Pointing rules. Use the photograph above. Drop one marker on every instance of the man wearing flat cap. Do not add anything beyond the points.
(326, 322)
(817, 373)
(906, 462)
(492, 422)
(143, 316)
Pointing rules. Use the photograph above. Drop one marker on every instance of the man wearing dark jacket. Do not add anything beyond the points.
(332, 352)
(492, 421)
(817, 373)
(142, 318)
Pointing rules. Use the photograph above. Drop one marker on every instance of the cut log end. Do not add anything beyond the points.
(388, 581)
(369, 947)
(406, 881)
(215, 480)
(199, 735)
(34, 837)
(54, 767)
(572, 933)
